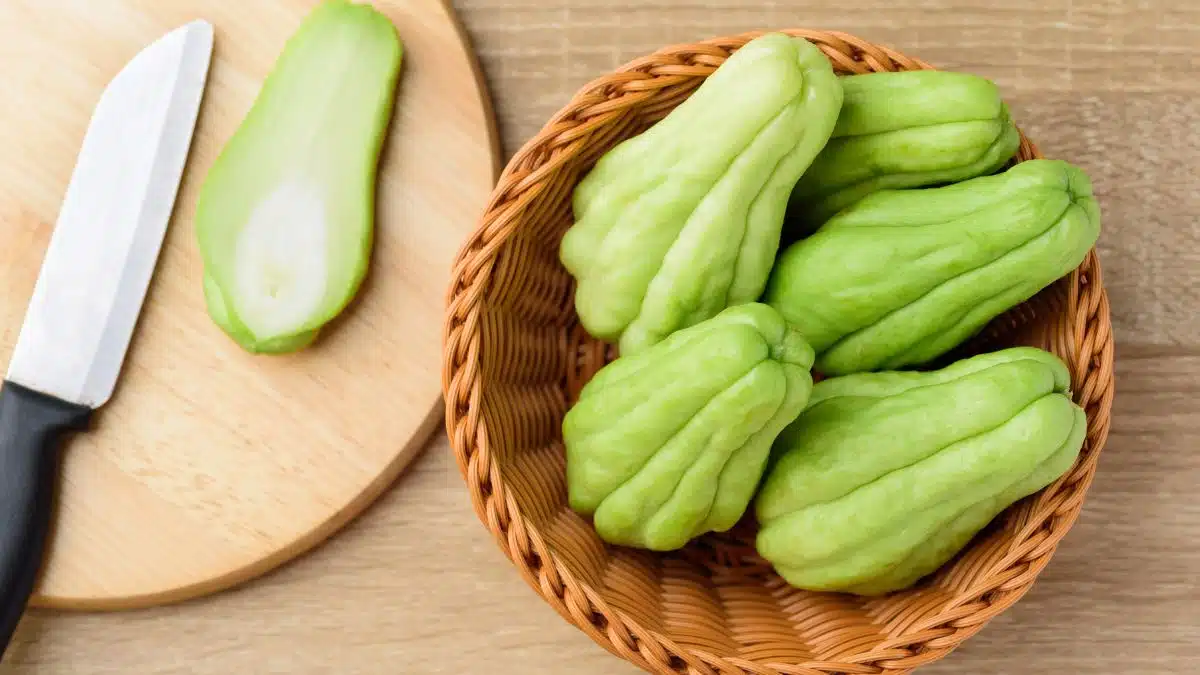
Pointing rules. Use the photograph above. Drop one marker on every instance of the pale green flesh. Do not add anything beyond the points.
(285, 220)
(885, 476)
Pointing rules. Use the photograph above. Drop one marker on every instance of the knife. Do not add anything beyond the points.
(91, 287)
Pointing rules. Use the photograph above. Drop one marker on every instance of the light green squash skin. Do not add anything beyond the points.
(670, 443)
(886, 476)
(683, 220)
(902, 130)
(319, 122)
(903, 276)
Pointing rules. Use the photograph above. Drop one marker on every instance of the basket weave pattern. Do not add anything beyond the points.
(515, 357)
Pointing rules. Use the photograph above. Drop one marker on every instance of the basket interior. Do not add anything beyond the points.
(715, 598)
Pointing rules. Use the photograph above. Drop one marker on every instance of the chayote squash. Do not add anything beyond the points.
(886, 476)
(901, 130)
(683, 220)
(671, 442)
(903, 276)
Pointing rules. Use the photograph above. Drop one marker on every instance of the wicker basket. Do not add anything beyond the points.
(515, 358)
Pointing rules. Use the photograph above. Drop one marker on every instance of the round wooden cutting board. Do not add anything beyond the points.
(211, 465)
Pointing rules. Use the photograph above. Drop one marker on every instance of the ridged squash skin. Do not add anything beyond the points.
(683, 220)
(286, 215)
(886, 476)
(904, 129)
(669, 443)
(903, 276)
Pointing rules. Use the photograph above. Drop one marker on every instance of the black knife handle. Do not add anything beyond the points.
(31, 425)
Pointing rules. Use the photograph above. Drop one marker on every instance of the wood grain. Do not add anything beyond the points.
(211, 465)
(417, 587)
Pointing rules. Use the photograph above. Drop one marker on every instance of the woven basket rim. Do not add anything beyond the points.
(1091, 365)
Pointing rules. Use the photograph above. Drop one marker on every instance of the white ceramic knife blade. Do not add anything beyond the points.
(106, 242)
(91, 287)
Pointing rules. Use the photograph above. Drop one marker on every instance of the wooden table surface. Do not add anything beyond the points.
(416, 586)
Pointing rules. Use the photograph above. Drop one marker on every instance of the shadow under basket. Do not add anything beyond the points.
(515, 358)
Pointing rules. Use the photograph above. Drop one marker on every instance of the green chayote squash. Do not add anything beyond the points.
(669, 443)
(679, 222)
(903, 276)
(901, 130)
(886, 476)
